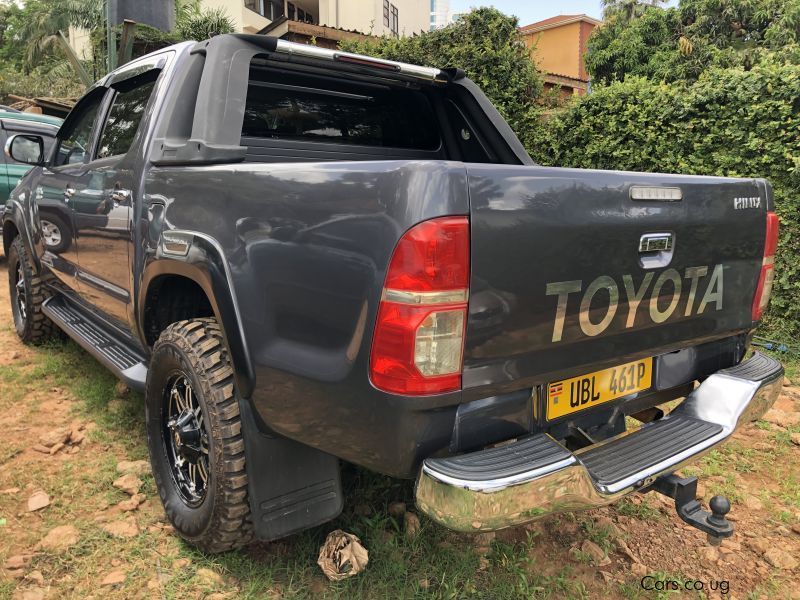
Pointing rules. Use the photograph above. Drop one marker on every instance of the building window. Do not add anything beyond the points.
(395, 22)
(270, 9)
(386, 13)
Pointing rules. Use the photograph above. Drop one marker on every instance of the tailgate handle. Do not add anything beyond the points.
(655, 242)
(655, 250)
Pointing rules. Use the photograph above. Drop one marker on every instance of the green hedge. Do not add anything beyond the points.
(730, 122)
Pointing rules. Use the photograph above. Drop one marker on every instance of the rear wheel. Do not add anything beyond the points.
(195, 439)
(27, 296)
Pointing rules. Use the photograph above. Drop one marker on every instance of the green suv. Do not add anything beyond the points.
(13, 123)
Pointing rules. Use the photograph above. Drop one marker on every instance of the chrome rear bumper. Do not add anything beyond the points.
(533, 477)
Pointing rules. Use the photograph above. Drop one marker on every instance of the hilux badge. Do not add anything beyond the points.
(746, 202)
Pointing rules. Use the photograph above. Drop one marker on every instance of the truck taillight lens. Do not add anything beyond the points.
(418, 344)
(765, 280)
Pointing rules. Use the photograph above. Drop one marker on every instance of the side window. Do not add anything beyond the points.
(125, 115)
(74, 143)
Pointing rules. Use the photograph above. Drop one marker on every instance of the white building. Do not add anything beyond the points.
(371, 17)
(301, 20)
(440, 14)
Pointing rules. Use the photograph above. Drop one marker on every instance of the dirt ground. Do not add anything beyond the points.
(79, 517)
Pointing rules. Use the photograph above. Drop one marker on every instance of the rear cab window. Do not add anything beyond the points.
(328, 113)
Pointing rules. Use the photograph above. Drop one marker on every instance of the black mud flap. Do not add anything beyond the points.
(291, 486)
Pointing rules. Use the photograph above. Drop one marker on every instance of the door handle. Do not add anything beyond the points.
(656, 250)
(656, 242)
(120, 196)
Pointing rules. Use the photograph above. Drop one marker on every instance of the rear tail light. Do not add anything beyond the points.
(418, 344)
(765, 280)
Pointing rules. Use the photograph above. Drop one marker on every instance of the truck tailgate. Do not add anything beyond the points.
(571, 273)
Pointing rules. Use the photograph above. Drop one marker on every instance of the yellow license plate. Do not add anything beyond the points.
(572, 395)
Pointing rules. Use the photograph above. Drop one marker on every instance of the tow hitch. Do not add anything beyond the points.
(684, 491)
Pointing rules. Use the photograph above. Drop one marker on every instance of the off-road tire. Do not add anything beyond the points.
(222, 521)
(34, 327)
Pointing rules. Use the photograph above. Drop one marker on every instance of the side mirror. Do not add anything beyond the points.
(26, 148)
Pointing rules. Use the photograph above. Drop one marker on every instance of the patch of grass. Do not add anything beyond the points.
(7, 589)
(771, 588)
(642, 511)
(783, 441)
(791, 363)
(602, 536)
(790, 490)
(581, 556)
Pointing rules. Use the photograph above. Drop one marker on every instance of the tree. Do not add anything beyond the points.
(45, 19)
(30, 40)
(202, 24)
(627, 10)
(486, 44)
(678, 44)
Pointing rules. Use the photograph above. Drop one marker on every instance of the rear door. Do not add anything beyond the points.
(575, 271)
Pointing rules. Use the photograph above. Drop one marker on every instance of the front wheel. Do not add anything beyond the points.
(55, 233)
(195, 439)
(27, 296)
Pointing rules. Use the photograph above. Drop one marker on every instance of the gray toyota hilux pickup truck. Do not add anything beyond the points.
(303, 256)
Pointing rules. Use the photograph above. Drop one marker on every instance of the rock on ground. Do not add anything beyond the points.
(208, 577)
(114, 578)
(132, 503)
(134, 467)
(17, 562)
(38, 500)
(781, 418)
(594, 552)
(412, 525)
(56, 436)
(36, 577)
(128, 483)
(60, 538)
(122, 529)
(752, 502)
(780, 559)
(397, 509)
(33, 593)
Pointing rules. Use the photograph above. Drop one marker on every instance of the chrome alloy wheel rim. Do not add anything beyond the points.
(20, 293)
(186, 440)
(51, 233)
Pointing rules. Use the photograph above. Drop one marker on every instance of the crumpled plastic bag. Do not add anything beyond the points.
(342, 556)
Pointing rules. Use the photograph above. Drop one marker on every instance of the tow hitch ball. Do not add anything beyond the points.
(684, 491)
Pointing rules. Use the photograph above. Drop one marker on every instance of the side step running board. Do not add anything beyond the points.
(100, 340)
